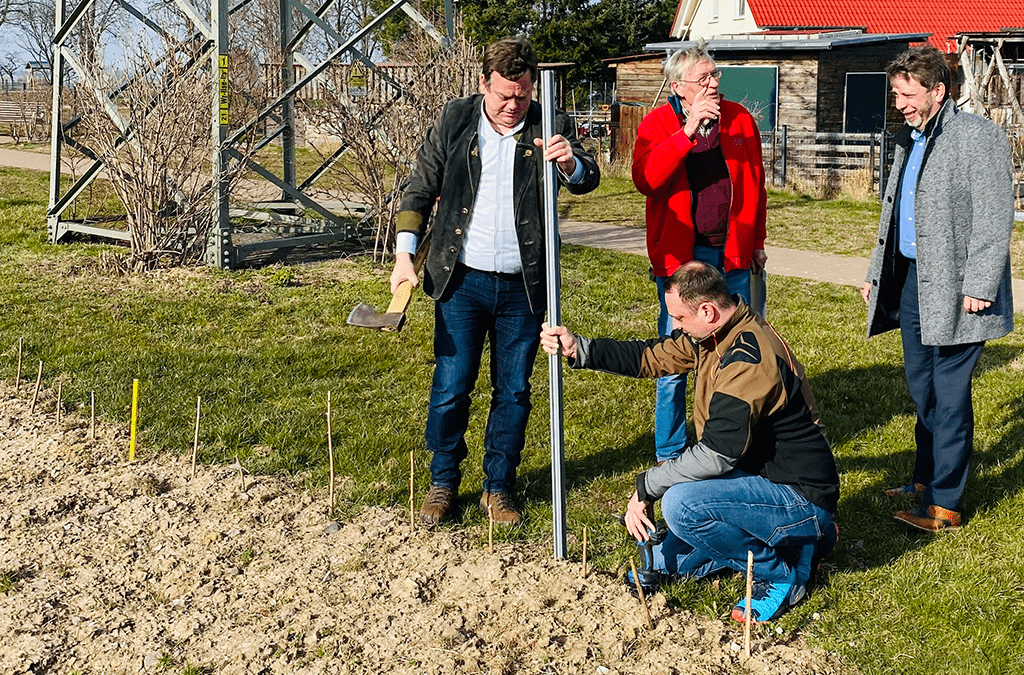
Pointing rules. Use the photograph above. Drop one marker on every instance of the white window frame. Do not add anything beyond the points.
(741, 9)
(713, 9)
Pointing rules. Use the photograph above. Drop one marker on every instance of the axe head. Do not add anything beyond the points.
(364, 316)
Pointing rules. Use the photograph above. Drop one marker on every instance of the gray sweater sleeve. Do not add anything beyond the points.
(698, 462)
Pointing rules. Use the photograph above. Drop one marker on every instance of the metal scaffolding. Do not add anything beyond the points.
(295, 218)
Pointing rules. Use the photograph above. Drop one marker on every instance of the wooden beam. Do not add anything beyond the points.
(1010, 93)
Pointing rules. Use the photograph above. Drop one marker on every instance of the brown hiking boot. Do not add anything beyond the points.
(438, 506)
(930, 518)
(503, 509)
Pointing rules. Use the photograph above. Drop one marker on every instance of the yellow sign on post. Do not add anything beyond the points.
(223, 93)
(135, 419)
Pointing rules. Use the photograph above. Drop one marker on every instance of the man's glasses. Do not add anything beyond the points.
(706, 77)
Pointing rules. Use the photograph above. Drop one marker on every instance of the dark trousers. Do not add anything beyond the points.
(939, 379)
(478, 307)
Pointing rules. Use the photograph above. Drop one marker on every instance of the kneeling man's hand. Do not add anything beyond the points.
(637, 522)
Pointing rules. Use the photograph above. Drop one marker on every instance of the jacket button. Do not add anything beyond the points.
(458, 230)
(881, 241)
(452, 249)
(465, 210)
(528, 242)
(447, 269)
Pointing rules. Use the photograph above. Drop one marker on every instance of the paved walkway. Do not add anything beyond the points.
(836, 269)
(786, 262)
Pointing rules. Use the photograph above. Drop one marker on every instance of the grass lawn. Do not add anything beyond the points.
(263, 347)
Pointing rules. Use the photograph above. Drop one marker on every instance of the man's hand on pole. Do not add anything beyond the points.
(558, 150)
(551, 339)
(404, 270)
(637, 522)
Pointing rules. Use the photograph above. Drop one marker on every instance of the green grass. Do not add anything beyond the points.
(263, 347)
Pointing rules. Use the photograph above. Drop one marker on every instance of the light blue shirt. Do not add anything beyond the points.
(908, 237)
(491, 243)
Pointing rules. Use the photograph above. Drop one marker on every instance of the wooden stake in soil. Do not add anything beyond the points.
(585, 570)
(60, 391)
(750, 593)
(35, 394)
(412, 489)
(135, 419)
(490, 530)
(640, 593)
(241, 472)
(17, 380)
(195, 437)
(330, 456)
(92, 415)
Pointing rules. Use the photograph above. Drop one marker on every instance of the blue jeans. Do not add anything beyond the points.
(670, 395)
(713, 523)
(478, 306)
(939, 380)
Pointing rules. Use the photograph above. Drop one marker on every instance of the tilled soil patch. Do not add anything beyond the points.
(108, 567)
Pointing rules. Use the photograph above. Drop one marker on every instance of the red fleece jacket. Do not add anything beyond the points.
(659, 172)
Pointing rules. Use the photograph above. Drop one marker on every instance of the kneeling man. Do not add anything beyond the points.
(761, 476)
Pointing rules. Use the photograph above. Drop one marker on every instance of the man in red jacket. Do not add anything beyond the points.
(698, 160)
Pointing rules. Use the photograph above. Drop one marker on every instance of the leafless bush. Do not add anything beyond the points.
(383, 127)
(155, 141)
(1017, 146)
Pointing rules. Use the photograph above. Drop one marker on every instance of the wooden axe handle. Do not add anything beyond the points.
(402, 295)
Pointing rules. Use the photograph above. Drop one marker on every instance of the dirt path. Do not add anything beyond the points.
(110, 568)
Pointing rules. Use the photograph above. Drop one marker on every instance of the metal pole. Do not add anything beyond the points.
(288, 106)
(547, 90)
(56, 132)
(782, 162)
(219, 251)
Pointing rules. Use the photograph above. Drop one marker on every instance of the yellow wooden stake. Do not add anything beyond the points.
(135, 419)
(92, 415)
(60, 391)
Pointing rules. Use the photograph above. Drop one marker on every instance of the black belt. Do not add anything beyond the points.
(505, 276)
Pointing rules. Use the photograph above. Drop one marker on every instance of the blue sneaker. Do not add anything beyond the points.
(769, 600)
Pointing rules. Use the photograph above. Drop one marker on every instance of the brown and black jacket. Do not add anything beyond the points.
(752, 406)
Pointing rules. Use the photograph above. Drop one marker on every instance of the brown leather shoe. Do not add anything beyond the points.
(438, 506)
(503, 509)
(912, 489)
(930, 518)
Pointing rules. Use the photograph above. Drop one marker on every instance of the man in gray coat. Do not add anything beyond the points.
(941, 271)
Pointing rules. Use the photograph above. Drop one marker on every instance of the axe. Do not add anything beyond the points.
(393, 319)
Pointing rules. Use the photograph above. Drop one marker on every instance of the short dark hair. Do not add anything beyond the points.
(510, 57)
(925, 64)
(698, 282)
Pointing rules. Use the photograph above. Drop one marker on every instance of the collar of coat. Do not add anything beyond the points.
(934, 126)
(742, 313)
(532, 121)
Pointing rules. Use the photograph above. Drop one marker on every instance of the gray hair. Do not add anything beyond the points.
(679, 64)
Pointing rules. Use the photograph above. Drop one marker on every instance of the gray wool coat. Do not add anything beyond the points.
(963, 213)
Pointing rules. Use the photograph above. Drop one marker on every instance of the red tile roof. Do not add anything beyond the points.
(942, 18)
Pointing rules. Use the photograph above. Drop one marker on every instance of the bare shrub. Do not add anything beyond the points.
(155, 141)
(383, 127)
